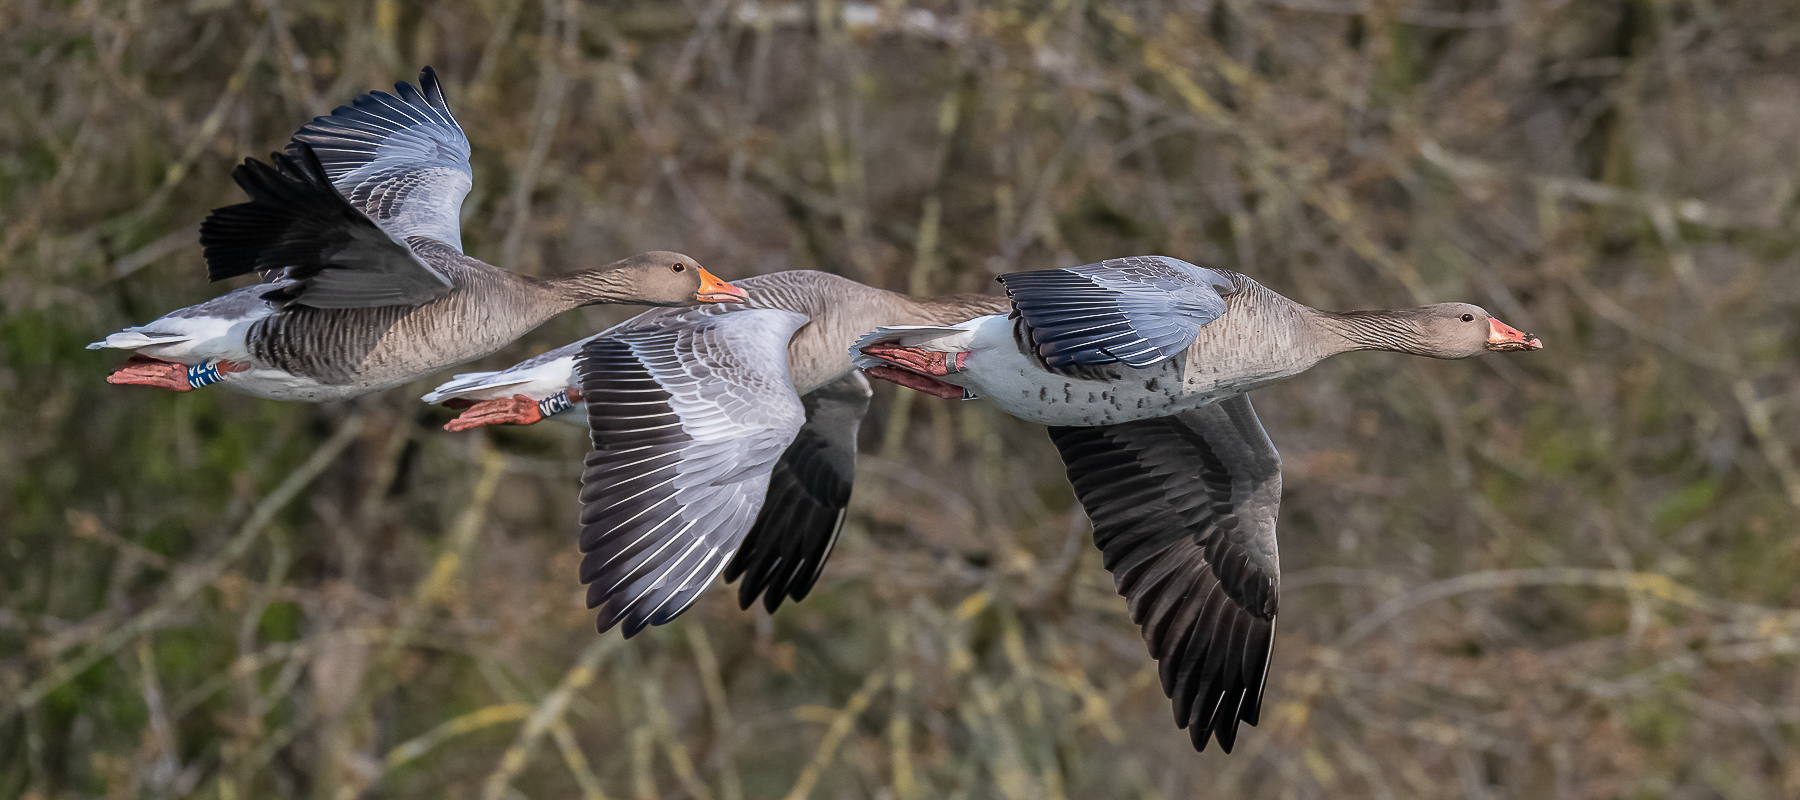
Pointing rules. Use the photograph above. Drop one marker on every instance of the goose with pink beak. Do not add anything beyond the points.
(1140, 366)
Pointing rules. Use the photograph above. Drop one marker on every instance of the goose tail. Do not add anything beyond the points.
(134, 338)
(470, 383)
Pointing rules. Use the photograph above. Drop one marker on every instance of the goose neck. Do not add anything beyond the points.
(953, 309)
(1395, 331)
(586, 287)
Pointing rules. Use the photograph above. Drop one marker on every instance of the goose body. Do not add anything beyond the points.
(357, 229)
(1140, 366)
(838, 310)
(1019, 385)
(1242, 338)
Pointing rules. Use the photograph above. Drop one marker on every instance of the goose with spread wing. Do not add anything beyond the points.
(782, 536)
(356, 228)
(1140, 367)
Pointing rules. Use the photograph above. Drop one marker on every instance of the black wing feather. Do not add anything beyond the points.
(296, 222)
(809, 490)
(1184, 515)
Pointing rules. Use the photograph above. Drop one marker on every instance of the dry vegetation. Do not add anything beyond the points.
(1569, 574)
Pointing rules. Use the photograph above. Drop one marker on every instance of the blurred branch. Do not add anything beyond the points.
(1507, 14)
(556, 58)
(576, 761)
(656, 707)
(546, 714)
(834, 735)
(1474, 174)
(1656, 585)
(192, 580)
(198, 139)
(455, 726)
(456, 549)
(712, 682)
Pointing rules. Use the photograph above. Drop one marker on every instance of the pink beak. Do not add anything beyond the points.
(1503, 337)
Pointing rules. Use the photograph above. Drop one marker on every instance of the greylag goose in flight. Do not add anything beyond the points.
(1140, 367)
(357, 226)
(776, 539)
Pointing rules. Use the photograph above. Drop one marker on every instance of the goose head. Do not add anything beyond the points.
(662, 278)
(1461, 330)
(656, 278)
(1442, 330)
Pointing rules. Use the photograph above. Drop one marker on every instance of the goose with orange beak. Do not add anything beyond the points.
(1505, 338)
(356, 226)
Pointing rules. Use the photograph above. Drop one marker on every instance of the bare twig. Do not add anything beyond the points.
(546, 714)
(190, 581)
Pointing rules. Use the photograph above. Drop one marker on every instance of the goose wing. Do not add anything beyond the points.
(400, 158)
(296, 223)
(1184, 514)
(809, 490)
(688, 416)
(1140, 310)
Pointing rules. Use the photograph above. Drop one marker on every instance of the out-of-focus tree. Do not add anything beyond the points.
(1570, 574)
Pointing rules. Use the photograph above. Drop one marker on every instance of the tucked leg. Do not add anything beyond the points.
(917, 382)
(515, 410)
(929, 362)
(142, 370)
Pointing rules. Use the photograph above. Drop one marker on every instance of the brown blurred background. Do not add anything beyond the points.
(1566, 574)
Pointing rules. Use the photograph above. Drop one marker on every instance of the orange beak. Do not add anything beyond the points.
(713, 290)
(1503, 337)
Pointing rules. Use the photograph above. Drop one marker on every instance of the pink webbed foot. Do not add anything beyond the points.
(142, 370)
(515, 410)
(917, 382)
(928, 362)
(146, 371)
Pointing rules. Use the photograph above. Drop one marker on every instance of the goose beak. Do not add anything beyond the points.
(713, 290)
(1503, 337)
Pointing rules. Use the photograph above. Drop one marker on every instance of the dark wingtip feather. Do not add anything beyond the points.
(783, 554)
(1211, 637)
(366, 122)
(433, 90)
(250, 236)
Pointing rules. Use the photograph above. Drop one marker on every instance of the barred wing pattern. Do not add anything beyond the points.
(688, 418)
(785, 551)
(1139, 311)
(402, 159)
(1184, 512)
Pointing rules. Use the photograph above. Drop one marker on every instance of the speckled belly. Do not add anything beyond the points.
(1128, 394)
(278, 385)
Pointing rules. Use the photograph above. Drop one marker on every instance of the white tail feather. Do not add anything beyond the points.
(467, 382)
(134, 339)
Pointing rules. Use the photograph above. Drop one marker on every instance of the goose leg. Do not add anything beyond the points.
(918, 383)
(142, 370)
(515, 410)
(928, 362)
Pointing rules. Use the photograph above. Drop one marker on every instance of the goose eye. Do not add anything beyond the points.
(1468, 318)
(683, 268)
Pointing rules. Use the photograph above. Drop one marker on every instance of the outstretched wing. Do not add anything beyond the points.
(808, 492)
(688, 418)
(295, 221)
(1140, 310)
(1184, 514)
(401, 159)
